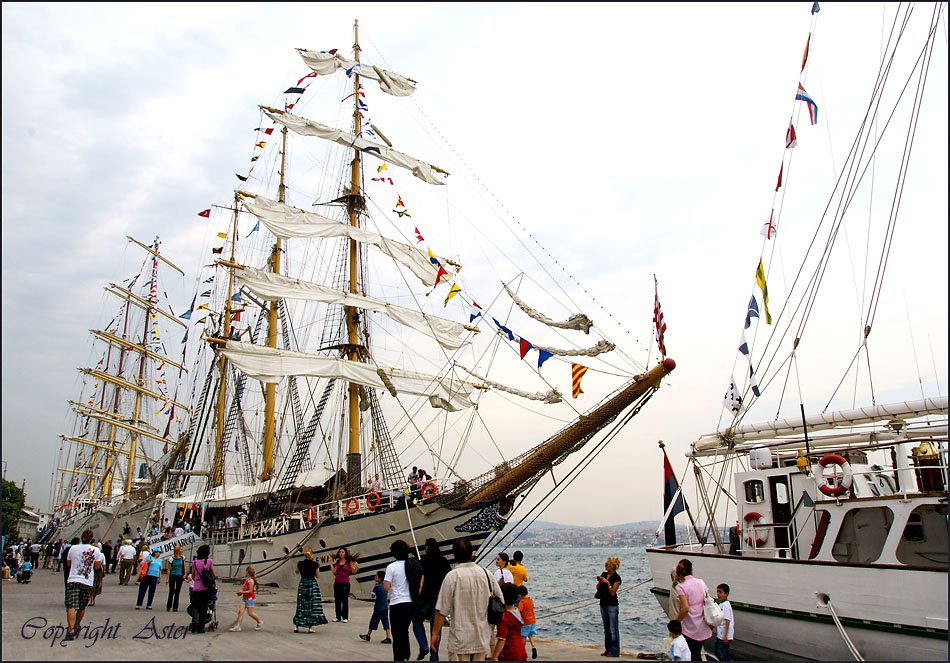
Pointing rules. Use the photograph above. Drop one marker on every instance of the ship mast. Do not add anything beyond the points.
(133, 441)
(270, 389)
(217, 466)
(353, 205)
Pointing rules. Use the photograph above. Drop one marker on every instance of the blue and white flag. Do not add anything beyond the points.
(753, 312)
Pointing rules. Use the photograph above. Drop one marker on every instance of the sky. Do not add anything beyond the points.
(630, 140)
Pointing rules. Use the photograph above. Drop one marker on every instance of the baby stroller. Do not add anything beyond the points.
(210, 618)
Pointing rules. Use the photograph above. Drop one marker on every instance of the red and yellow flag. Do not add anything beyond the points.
(577, 372)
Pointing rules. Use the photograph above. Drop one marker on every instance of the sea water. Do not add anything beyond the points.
(561, 582)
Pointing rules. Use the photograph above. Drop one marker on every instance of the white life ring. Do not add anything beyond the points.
(842, 484)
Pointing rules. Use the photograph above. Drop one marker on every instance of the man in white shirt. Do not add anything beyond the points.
(126, 562)
(464, 598)
(231, 521)
(401, 607)
(377, 485)
(179, 531)
(82, 561)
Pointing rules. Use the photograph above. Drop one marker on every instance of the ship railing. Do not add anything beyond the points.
(312, 516)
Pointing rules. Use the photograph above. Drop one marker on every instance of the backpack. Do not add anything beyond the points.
(413, 577)
(207, 578)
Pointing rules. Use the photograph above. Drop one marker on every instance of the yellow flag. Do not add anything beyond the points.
(760, 281)
(454, 290)
(223, 235)
(381, 168)
(260, 144)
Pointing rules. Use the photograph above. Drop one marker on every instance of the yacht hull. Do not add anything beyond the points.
(889, 612)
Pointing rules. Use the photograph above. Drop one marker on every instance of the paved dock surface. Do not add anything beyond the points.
(32, 612)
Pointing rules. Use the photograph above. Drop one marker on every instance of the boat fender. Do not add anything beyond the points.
(311, 514)
(755, 517)
(843, 484)
(372, 501)
(352, 505)
(429, 489)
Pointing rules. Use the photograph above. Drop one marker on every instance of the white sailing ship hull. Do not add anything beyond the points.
(369, 534)
(889, 612)
(107, 522)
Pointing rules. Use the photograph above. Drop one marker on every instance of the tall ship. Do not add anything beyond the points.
(126, 420)
(354, 384)
(821, 499)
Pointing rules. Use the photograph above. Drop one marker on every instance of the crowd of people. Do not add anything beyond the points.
(411, 591)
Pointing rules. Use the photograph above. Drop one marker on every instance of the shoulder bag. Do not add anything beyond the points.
(496, 607)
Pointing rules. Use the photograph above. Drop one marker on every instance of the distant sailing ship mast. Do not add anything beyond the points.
(106, 446)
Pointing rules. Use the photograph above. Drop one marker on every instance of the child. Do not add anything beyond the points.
(679, 650)
(247, 601)
(526, 608)
(380, 609)
(726, 628)
(510, 644)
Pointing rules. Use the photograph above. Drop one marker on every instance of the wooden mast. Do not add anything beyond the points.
(508, 478)
(217, 466)
(133, 442)
(353, 459)
(270, 389)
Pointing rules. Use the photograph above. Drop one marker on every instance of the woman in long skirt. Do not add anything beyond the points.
(309, 602)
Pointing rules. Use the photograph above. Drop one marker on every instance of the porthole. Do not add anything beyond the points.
(286, 550)
(323, 544)
(392, 528)
(264, 554)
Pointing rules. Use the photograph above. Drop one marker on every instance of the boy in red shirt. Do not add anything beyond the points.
(510, 644)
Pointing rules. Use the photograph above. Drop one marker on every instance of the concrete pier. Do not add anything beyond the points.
(117, 631)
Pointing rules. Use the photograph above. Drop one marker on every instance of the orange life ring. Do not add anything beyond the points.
(842, 485)
(429, 489)
(372, 501)
(755, 516)
(311, 514)
(352, 505)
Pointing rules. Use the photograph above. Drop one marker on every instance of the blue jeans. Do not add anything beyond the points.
(419, 630)
(611, 616)
(721, 649)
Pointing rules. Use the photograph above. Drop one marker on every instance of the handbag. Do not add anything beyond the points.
(712, 613)
(496, 607)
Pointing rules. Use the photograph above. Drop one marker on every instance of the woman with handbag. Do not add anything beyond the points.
(692, 596)
(202, 570)
(608, 583)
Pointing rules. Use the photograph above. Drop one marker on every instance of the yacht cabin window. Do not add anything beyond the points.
(754, 491)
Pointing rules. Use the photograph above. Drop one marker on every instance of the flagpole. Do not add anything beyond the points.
(680, 488)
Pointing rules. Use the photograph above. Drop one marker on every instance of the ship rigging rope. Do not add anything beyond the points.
(558, 489)
(849, 178)
(463, 162)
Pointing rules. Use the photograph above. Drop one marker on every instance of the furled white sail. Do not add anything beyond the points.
(267, 285)
(577, 321)
(550, 397)
(326, 63)
(287, 221)
(304, 127)
(273, 364)
(598, 348)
